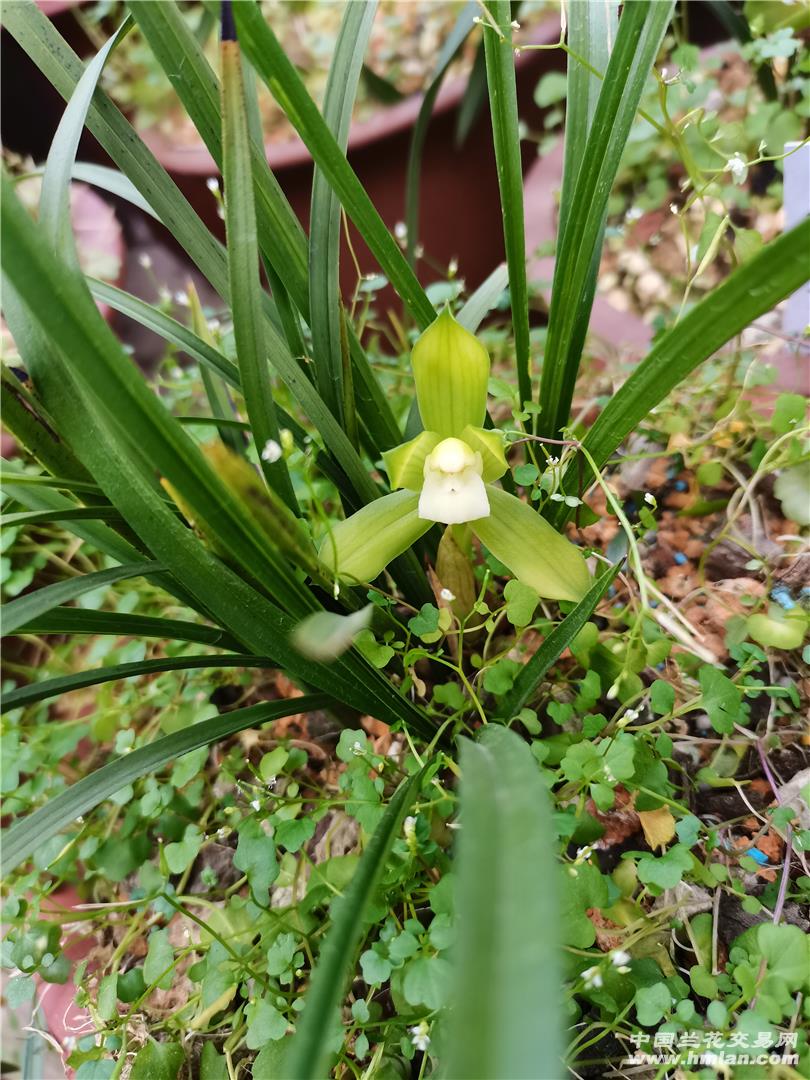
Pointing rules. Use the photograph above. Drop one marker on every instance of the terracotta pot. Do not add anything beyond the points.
(459, 201)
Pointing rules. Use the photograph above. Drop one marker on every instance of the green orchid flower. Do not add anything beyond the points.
(447, 475)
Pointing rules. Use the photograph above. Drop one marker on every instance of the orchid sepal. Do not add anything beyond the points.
(451, 372)
(358, 549)
(532, 549)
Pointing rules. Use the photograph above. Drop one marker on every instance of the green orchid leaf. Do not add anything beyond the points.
(406, 463)
(451, 370)
(490, 446)
(535, 553)
(359, 548)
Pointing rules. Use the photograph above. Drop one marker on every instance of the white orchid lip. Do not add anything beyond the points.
(453, 491)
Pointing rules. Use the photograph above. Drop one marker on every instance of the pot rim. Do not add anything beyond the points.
(389, 120)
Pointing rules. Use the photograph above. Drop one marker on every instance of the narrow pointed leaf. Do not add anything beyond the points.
(500, 62)
(22, 839)
(23, 696)
(455, 39)
(554, 645)
(41, 41)
(309, 1053)
(484, 298)
(29, 607)
(85, 621)
(243, 273)
(507, 1017)
(273, 66)
(641, 30)
(324, 217)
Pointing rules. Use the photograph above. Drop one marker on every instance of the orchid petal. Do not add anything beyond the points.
(405, 464)
(451, 371)
(490, 445)
(359, 548)
(532, 549)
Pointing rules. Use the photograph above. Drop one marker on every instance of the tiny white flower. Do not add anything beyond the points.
(649, 499)
(419, 251)
(181, 298)
(634, 213)
(557, 497)
(452, 267)
(357, 748)
(271, 451)
(214, 325)
(673, 209)
(213, 185)
(619, 958)
(445, 594)
(401, 231)
(164, 295)
(420, 1037)
(737, 167)
(256, 804)
(553, 460)
(515, 24)
(584, 853)
(176, 372)
(593, 978)
(609, 777)
(145, 261)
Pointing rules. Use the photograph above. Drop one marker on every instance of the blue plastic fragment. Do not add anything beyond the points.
(680, 485)
(758, 856)
(781, 594)
(680, 558)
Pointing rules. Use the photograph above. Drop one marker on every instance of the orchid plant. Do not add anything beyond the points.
(446, 475)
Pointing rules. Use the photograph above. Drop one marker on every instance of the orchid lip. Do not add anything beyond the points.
(453, 491)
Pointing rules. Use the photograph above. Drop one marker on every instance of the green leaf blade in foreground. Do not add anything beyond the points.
(641, 30)
(529, 676)
(243, 274)
(507, 995)
(500, 61)
(308, 1054)
(86, 621)
(272, 65)
(23, 838)
(23, 696)
(25, 609)
(778, 270)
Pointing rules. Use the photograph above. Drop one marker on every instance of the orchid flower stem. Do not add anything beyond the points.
(467, 685)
